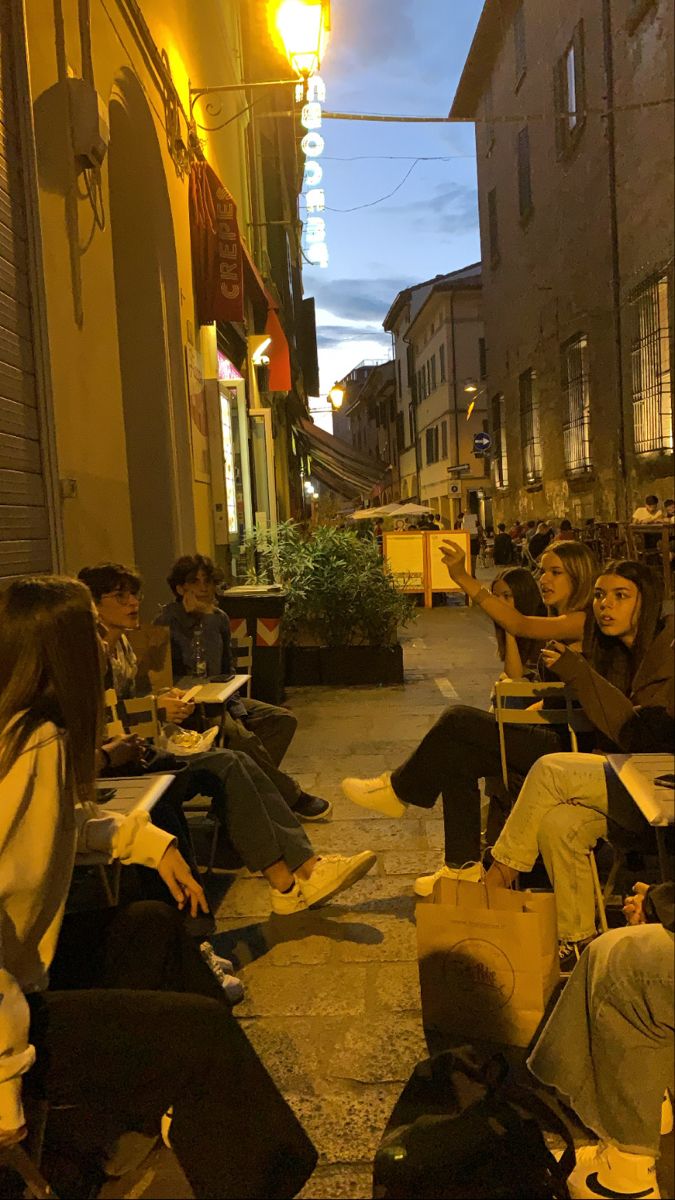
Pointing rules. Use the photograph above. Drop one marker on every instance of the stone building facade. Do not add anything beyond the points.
(440, 362)
(574, 141)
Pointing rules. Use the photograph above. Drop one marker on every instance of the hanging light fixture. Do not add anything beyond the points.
(336, 396)
(304, 29)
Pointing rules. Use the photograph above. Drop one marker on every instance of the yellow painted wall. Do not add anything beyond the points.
(78, 256)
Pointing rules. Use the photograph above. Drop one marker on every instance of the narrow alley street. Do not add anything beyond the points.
(332, 996)
(332, 1001)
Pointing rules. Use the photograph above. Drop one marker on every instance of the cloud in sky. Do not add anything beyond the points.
(331, 336)
(368, 31)
(449, 208)
(357, 299)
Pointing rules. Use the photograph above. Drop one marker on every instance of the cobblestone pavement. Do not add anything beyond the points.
(333, 1003)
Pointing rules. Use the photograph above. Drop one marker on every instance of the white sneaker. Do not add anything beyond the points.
(377, 794)
(424, 885)
(602, 1170)
(284, 904)
(332, 874)
(666, 1114)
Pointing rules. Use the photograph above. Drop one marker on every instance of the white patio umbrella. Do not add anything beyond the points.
(409, 510)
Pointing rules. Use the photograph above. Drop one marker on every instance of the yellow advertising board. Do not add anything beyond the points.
(405, 554)
(439, 580)
(416, 562)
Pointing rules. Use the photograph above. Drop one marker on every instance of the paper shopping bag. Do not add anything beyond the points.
(488, 962)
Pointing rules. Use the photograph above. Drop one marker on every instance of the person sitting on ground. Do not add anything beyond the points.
(517, 531)
(463, 745)
(502, 551)
(263, 731)
(647, 513)
(120, 1055)
(261, 827)
(607, 1049)
(567, 799)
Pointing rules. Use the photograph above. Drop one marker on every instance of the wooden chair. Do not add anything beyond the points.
(558, 707)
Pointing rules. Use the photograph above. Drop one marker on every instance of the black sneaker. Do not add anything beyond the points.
(569, 954)
(312, 808)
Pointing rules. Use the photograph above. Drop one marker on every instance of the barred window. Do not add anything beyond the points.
(577, 403)
(501, 467)
(529, 426)
(651, 374)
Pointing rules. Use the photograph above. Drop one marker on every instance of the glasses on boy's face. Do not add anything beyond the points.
(124, 597)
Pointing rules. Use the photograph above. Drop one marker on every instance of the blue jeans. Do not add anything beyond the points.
(608, 1045)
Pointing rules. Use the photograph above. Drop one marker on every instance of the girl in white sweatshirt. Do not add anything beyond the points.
(122, 1057)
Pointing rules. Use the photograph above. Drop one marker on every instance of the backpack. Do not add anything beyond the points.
(479, 1137)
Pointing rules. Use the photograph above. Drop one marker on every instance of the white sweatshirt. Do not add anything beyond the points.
(41, 830)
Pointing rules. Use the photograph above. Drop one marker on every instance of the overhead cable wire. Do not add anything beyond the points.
(372, 203)
(396, 119)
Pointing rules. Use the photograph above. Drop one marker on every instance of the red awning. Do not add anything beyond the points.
(279, 355)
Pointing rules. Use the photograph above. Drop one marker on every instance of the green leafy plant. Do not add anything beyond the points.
(339, 591)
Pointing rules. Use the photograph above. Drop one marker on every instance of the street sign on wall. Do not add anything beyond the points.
(481, 443)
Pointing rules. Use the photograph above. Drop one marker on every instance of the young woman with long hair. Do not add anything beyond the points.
(517, 587)
(566, 585)
(122, 1056)
(463, 745)
(626, 689)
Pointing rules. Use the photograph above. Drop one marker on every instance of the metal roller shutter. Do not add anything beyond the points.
(25, 545)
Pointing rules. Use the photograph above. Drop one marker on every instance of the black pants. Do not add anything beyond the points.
(461, 748)
(259, 823)
(121, 1057)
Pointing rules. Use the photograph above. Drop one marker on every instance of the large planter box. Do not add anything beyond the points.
(344, 666)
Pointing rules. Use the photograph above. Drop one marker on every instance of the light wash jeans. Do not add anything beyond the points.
(608, 1046)
(560, 813)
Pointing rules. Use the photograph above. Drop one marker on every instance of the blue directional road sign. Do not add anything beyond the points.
(481, 442)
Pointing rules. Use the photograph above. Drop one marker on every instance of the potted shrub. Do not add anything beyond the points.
(343, 607)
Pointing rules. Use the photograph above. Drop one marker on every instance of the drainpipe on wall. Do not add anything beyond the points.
(454, 377)
(621, 492)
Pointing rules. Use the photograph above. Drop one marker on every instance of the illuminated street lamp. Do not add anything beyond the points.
(304, 28)
(336, 396)
(472, 389)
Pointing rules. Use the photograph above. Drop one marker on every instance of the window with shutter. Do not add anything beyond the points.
(441, 362)
(525, 205)
(493, 227)
(444, 439)
(570, 93)
(519, 45)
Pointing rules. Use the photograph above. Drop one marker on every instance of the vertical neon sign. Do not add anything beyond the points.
(312, 146)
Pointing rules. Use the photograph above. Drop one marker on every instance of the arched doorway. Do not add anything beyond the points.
(150, 341)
